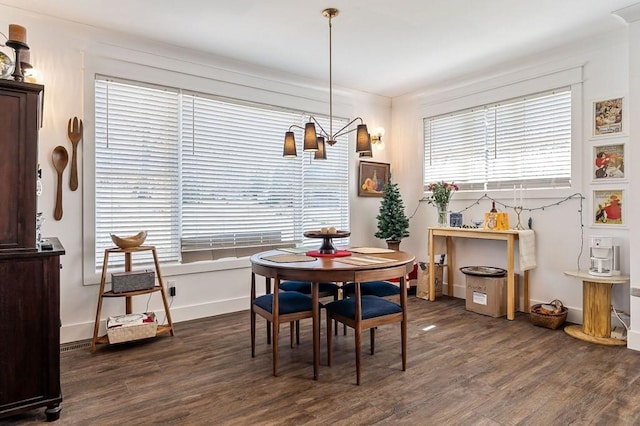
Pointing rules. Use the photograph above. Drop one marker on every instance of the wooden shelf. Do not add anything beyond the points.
(162, 329)
(131, 293)
(128, 295)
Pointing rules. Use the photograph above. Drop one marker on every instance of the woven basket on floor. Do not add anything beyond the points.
(552, 321)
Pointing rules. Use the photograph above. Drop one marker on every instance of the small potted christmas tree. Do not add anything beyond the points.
(393, 225)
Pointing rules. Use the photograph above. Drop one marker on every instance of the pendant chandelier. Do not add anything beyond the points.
(316, 138)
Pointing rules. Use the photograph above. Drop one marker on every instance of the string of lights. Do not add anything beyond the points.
(528, 209)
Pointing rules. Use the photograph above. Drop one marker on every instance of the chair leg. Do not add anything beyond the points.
(253, 333)
(276, 332)
(403, 328)
(329, 341)
(358, 352)
(372, 338)
(291, 334)
(335, 297)
(268, 332)
(298, 332)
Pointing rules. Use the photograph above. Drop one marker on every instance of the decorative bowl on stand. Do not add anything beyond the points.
(129, 242)
(327, 246)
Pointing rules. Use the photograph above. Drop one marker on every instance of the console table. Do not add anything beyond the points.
(596, 308)
(510, 236)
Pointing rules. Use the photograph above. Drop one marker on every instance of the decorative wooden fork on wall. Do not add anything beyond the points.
(74, 130)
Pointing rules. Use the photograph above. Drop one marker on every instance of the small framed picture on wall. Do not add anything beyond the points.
(608, 207)
(608, 162)
(608, 118)
(372, 177)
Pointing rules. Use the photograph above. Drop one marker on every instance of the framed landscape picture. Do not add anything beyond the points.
(608, 162)
(607, 117)
(608, 207)
(372, 177)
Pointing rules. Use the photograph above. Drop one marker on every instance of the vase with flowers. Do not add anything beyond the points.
(441, 193)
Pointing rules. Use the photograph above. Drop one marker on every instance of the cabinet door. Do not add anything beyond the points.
(18, 156)
(29, 332)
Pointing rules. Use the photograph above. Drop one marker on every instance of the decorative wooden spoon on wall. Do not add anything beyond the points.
(75, 134)
(60, 158)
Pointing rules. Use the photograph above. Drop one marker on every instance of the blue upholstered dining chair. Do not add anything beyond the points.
(288, 306)
(325, 289)
(362, 312)
(373, 288)
(384, 289)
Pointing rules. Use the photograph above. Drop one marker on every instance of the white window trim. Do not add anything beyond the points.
(512, 87)
(187, 79)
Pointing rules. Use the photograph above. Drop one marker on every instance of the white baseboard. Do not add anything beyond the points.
(82, 331)
(574, 315)
(633, 340)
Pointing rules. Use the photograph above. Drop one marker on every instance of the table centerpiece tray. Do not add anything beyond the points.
(327, 246)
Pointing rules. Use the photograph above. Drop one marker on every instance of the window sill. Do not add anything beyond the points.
(176, 269)
(170, 270)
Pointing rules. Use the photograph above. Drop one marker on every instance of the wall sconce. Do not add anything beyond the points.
(376, 138)
(376, 135)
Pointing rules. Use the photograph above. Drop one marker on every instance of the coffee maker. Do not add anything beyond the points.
(601, 251)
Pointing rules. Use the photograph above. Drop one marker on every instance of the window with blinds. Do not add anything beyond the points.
(205, 175)
(136, 166)
(525, 141)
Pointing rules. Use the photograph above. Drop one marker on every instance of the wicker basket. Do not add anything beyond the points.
(552, 321)
(128, 329)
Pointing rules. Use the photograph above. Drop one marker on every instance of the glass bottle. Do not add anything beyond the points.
(492, 216)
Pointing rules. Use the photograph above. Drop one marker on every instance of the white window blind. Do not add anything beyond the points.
(518, 142)
(136, 172)
(326, 186)
(237, 189)
(220, 183)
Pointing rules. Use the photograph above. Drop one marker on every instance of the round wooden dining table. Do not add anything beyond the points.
(358, 268)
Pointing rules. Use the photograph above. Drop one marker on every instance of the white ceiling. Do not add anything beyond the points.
(386, 47)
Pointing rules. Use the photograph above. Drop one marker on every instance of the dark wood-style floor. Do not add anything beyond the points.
(470, 369)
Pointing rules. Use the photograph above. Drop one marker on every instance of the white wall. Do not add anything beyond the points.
(558, 228)
(631, 15)
(68, 55)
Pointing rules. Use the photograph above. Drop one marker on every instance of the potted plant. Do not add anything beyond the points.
(393, 225)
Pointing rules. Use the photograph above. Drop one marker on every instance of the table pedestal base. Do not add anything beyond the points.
(327, 246)
(577, 332)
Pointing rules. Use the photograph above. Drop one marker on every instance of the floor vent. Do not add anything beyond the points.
(74, 346)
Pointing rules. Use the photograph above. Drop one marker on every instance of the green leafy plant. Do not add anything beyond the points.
(441, 193)
(393, 224)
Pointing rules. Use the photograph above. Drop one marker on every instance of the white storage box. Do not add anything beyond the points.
(125, 328)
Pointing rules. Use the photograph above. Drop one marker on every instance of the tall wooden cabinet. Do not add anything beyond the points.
(19, 116)
(29, 277)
